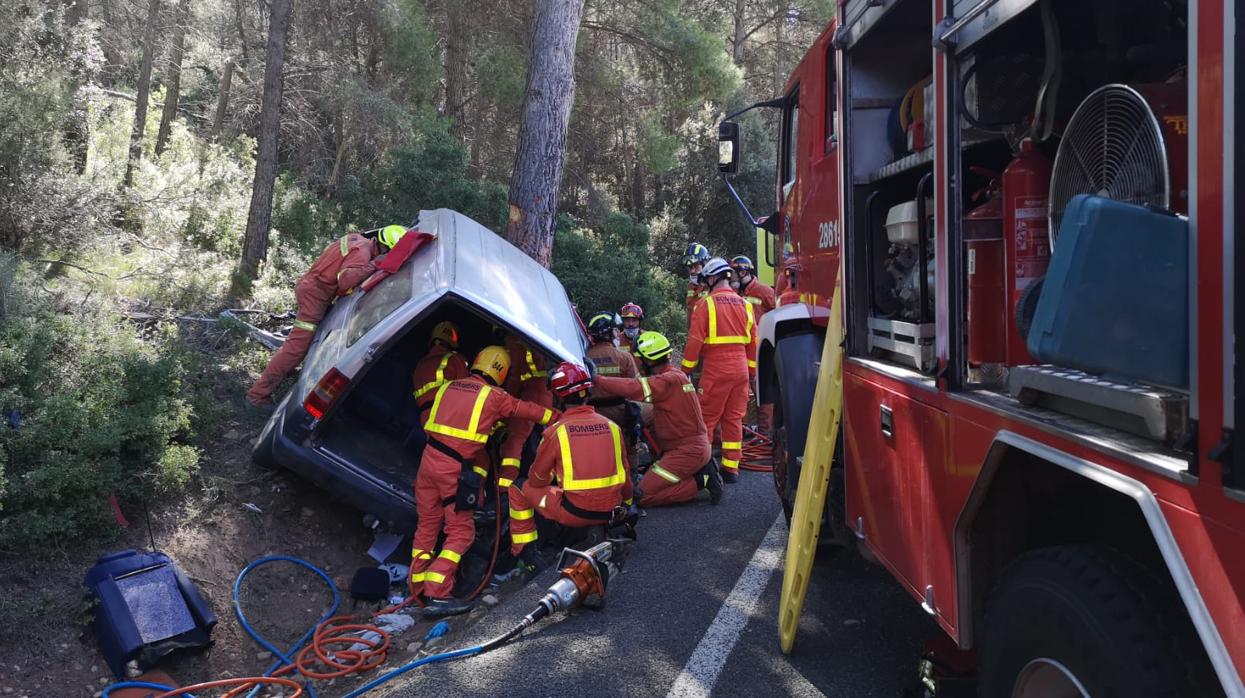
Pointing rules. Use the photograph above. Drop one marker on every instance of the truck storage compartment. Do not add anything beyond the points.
(1115, 299)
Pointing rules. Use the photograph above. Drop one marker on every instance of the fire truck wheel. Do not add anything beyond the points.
(1079, 621)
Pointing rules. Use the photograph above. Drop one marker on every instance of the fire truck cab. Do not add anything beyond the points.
(1030, 209)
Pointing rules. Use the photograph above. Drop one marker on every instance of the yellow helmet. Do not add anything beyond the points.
(447, 332)
(390, 235)
(492, 362)
(653, 346)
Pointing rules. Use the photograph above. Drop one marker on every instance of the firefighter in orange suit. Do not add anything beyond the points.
(613, 361)
(722, 329)
(685, 467)
(580, 473)
(439, 366)
(448, 486)
(342, 265)
(527, 382)
(694, 259)
(761, 300)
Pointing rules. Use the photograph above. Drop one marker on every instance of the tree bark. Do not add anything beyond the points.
(75, 134)
(737, 41)
(173, 83)
(541, 150)
(144, 92)
(259, 218)
(458, 28)
(222, 101)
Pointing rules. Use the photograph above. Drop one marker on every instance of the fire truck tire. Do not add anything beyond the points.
(793, 407)
(1087, 615)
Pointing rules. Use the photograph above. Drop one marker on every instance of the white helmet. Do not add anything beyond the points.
(715, 267)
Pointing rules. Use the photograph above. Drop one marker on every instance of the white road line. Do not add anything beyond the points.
(706, 662)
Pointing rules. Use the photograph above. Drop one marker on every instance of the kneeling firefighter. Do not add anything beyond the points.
(451, 475)
(583, 453)
(685, 466)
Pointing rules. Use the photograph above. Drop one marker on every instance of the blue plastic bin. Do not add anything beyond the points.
(1115, 300)
(146, 608)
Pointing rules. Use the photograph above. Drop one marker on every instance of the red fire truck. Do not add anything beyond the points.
(1031, 205)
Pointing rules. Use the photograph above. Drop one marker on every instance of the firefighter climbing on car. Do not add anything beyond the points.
(342, 266)
(580, 473)
(685, 466)
(722, 333)
(760, 297)
(452, 469)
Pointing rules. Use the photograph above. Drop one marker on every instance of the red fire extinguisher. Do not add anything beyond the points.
(987, 294)
(1026, 186)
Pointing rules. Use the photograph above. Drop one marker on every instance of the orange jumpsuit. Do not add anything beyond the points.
(342, 265)
(761, 300)
(438, 367)
(680, 433)
(695, 292)
(462, 415)
(526, 382)
(618, 363)
(722, 327)
(583, 452)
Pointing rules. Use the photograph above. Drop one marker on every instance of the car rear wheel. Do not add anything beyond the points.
(262, 454)
(1080, 622)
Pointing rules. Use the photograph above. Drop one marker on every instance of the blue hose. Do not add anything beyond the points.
(138, 684)
(287, 657)
(431, 659)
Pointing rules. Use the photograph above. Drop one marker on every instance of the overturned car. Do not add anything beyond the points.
(350, 423)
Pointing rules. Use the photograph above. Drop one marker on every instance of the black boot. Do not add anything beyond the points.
(712, 479)
(728, 476)
(441, 608)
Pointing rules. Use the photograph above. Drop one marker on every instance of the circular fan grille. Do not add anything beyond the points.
(1113, 147)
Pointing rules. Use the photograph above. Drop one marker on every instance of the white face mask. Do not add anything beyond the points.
(693, 277)
(632, 332)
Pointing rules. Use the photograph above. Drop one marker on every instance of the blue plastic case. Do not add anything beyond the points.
(1115, 300)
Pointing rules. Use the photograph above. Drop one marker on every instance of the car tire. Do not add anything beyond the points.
(262, 455)
(1082, 620)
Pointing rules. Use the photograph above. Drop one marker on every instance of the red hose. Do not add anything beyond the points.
(758, 452)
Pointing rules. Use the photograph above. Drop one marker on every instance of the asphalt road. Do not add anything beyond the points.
(667, 631)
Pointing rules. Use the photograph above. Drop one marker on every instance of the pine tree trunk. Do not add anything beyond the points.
(458, 28)
(144, 93)
(173, 83)
(737, 41)
(222, 101)
(75, 134)
(541, 151)
(259, 218)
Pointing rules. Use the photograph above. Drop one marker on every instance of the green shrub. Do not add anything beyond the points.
(103, 412)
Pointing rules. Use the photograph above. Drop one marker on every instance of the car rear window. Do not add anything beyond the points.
(377, 305)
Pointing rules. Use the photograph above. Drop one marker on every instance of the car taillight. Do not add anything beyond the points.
(321, 397)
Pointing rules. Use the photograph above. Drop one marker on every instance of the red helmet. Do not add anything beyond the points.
(632, 310)
(568, 379)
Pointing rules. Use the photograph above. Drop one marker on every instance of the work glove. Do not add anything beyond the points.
(468, 496)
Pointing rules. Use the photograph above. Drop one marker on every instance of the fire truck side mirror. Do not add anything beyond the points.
(728, 147)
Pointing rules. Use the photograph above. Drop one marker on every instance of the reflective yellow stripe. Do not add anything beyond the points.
(472, 432)
(752, 364)
(665, 474)
(418, 576)
(308, 326)
(690, 293)
(714, 338)
(728, 463)
(504, 482)
(509, 462)
(522, 537)
(608, 370)
(522, 514)
(479, 471)
(434, 577)
(689, 364)
(451, 556)
(531, 369)
(546, 417)
(571, 484)
(732, 444)
(345, 246)
(628, 501)
(753, 300)
(439, 380)
(689, 388)
(648, 390)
